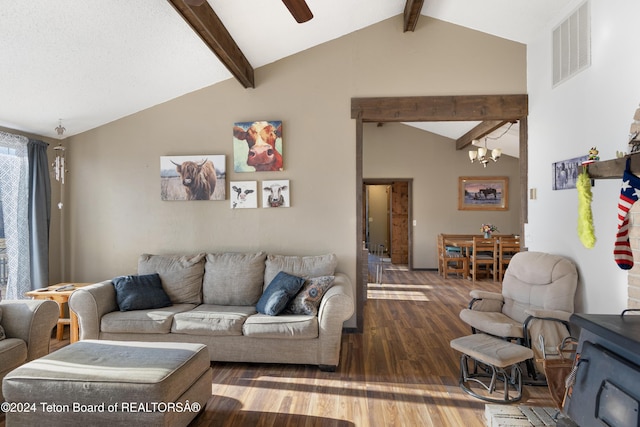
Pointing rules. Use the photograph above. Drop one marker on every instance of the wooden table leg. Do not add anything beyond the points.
(74, 334)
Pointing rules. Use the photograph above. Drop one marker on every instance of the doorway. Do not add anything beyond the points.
(490, 110)
(387, 218)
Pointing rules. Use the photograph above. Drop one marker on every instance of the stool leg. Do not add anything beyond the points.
(510, 376)
(60, 325)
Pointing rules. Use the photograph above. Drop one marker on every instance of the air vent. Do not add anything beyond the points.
(572, 45)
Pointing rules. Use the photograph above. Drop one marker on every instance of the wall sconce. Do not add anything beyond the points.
(481, 154)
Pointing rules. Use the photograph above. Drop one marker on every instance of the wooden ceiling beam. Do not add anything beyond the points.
(299, 10)
(478, 132)
(440, 108)
(204, 21)
(412, 11)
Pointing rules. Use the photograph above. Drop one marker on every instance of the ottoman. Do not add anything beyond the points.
(500, 359)
(110, 383)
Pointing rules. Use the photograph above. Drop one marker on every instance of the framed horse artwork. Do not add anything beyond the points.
(483, 193)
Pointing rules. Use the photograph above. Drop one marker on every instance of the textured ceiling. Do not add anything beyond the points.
(91, 62)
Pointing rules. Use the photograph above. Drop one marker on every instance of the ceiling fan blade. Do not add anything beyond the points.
(299, 9)
(194, 2)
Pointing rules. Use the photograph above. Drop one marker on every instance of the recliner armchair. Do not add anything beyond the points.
(27, 325)
(537, 299)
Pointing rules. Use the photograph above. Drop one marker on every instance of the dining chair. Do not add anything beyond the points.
(451, 261)
(483, 258)
(507, 248)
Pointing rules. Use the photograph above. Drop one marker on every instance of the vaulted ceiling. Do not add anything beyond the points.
(92, 62)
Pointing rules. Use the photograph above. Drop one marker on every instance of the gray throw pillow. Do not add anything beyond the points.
(140, 292)
(278, 294)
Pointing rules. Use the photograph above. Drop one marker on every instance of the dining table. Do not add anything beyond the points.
(464, 243)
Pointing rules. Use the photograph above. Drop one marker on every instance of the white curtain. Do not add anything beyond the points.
(14, 192)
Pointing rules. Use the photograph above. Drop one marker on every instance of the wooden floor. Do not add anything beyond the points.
(400, 372)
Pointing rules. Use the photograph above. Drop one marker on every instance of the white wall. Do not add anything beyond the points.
(594, 108)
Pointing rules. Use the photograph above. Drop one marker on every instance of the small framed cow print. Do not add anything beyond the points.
(257, 146)
(275, 194)
(244, 194)
(200, 177)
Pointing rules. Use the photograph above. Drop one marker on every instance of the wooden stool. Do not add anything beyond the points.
(500, 359)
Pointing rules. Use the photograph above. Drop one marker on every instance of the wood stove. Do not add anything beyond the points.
(607, 381)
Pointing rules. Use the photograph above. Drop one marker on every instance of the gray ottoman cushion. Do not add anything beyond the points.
(100, 374)
(491, 350)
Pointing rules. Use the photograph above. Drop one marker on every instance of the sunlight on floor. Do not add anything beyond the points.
(404, 391)
(398, 292)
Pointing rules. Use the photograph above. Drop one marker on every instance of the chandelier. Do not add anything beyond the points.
(482, 154)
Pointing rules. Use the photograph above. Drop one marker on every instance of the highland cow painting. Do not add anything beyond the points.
(200, 177)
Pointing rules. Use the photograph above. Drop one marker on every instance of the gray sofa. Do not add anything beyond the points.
(213, 302)
(27, 326)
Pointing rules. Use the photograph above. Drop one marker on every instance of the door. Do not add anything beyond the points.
(400, 222)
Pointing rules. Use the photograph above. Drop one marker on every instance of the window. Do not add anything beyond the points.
(14, 202)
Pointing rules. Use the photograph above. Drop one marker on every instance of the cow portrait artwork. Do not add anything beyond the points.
(257, 146)
(192, 177)
(243, 194)
(275, 194)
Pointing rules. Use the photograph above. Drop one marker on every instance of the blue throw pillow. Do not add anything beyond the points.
(140, 292)
(280, 291)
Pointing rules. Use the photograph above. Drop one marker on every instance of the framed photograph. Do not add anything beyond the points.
(200, 177)
(257, 146)
(244, 194)
(275, 194)
(483, 193)
(565, 173)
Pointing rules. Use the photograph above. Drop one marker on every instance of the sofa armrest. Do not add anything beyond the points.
(32, 321)
(90, 303)
(336, 307)
(337, 303)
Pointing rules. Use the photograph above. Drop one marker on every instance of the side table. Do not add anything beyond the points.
(61, 297)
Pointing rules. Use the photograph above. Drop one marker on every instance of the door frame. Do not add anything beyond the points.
(390, 181)
(483, 108)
